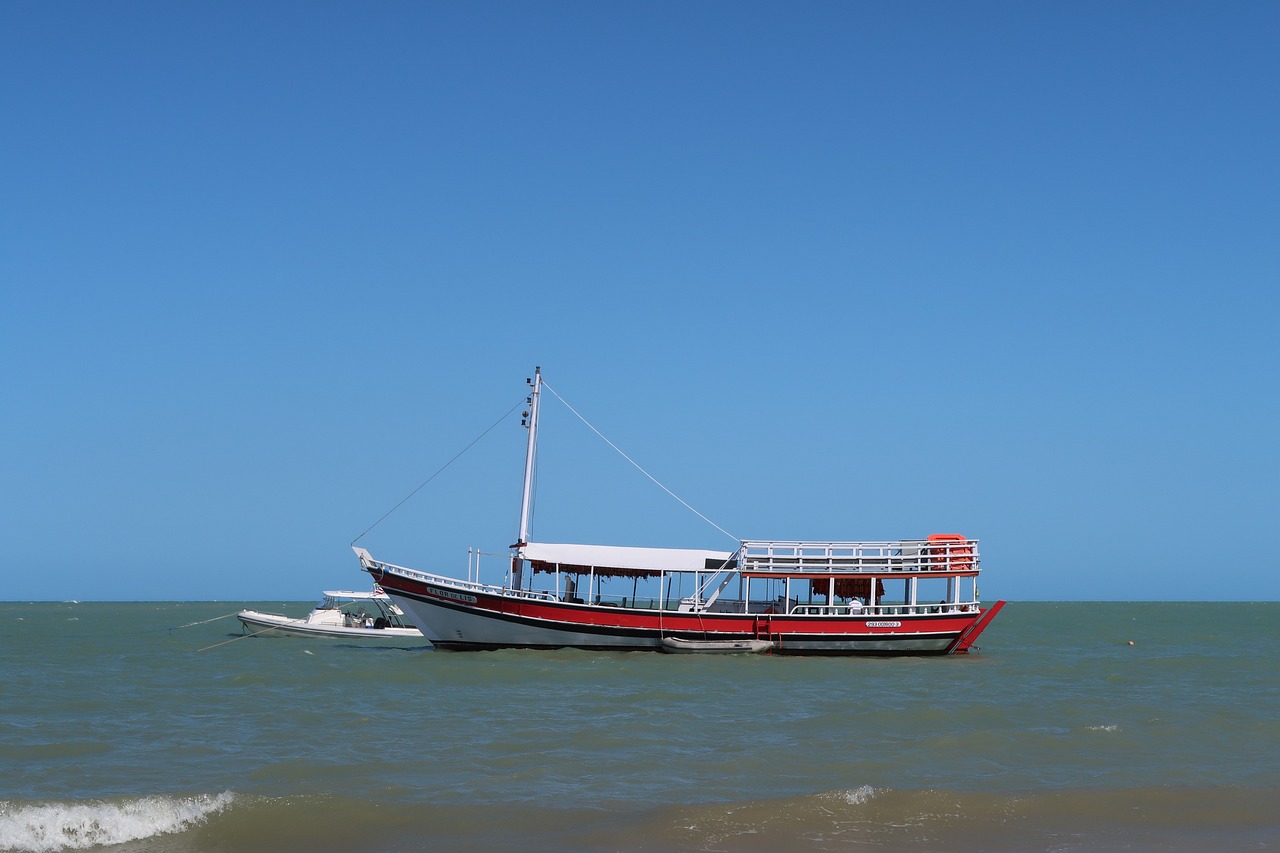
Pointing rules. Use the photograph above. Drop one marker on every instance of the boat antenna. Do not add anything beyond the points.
(438, 472)
(637, 466)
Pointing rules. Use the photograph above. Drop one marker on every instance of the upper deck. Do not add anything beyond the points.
(939, 553)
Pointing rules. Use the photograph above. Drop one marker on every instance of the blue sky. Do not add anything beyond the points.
(843, 270)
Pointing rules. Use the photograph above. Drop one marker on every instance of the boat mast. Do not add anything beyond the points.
(530, 423)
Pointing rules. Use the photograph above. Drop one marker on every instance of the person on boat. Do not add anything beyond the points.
(855, 605)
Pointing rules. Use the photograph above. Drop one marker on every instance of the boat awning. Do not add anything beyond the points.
(612, 560)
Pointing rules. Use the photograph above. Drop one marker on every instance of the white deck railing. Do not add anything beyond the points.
(881, 610)
(908, 555)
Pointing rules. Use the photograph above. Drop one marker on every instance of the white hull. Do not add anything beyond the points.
(274, 625)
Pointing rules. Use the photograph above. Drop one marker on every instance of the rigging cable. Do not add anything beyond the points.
(637, 466)
(437, 473)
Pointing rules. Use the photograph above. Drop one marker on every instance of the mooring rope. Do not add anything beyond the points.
(233, 639)
(437, 473)
(202, 622)
(189, 624)
(637, 465)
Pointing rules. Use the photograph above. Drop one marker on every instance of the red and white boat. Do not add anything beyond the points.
(904, 597)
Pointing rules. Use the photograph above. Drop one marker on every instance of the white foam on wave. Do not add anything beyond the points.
(1110, 728)
(858, 796)
(50, 827)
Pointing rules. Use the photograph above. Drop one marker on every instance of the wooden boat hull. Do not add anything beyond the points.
(458, 619)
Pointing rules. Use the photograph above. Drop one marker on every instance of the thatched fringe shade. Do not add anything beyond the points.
(850, 587)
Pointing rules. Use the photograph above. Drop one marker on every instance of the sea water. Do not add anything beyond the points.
(1075, 727)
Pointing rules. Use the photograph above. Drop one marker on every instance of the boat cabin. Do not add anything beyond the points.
(932, 575)
(352, 609)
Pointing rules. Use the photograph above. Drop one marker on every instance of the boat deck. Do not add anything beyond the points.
(938, 553)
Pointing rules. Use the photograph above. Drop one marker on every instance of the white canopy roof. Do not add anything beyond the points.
(353, 595)
(612, 556)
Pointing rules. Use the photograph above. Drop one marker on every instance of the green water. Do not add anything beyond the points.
(1076, 727)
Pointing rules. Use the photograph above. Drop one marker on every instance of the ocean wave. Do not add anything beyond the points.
(856, 796)
(78, 825)
(1143, 820)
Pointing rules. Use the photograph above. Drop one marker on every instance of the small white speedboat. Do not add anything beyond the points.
(342, 614)
(723, 647)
